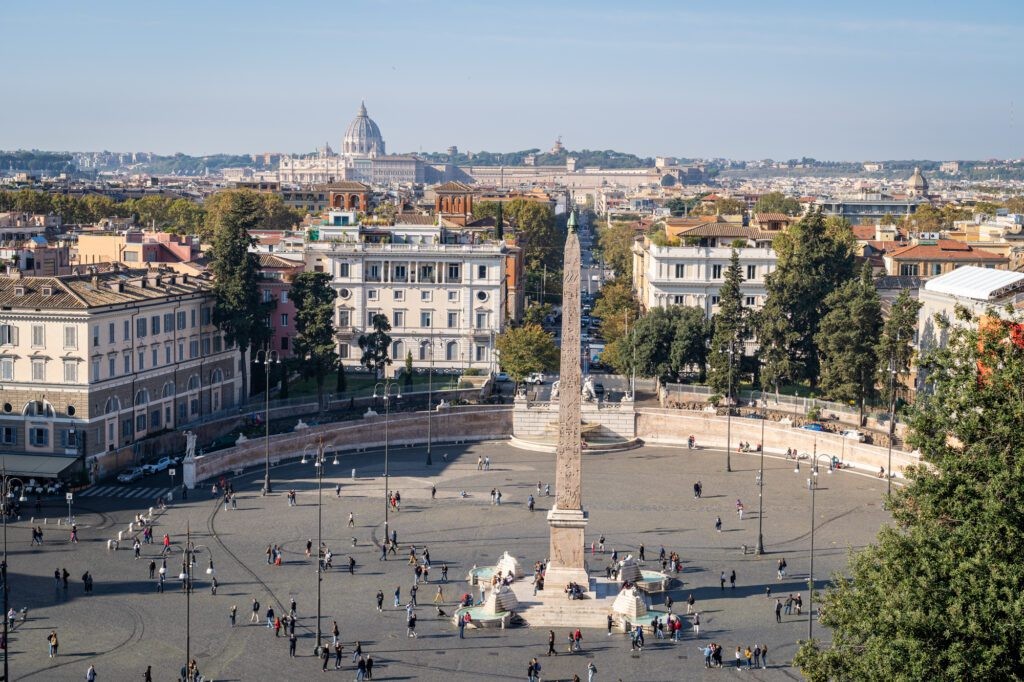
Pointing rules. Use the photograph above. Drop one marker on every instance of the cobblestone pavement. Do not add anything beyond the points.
(640, 496)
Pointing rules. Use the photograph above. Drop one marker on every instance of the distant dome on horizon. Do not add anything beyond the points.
(917, 185)
(363, 137)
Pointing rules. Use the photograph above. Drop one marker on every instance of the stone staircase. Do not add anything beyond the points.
(556, 610)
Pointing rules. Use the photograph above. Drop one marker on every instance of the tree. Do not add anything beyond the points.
(616, 242)
(666, 342)
(527, 349)
(615, 304)
(342, 382)
(940, 592)
(315, 344)
(897, 342)
(273, 214)
(237, 309)
(677, 206)
(777, 202)
(814, 257)
(729, 206)
(537, 313)
(847, 340)
(730, 328)
(376, 345)
(408, 368)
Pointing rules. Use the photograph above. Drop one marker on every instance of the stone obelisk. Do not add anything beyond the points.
(567, 518)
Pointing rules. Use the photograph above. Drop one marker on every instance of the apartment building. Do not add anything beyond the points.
(99, 360)
(445, 292)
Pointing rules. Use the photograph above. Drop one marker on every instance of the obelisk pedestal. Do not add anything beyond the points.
(567, 520)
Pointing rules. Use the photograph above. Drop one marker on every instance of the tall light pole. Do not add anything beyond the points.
(813, 485)
(7, 490)
(387, 416)
(318, 462)
(269, 357)
(430, 398)
(188, 560)
(728, 412)
(760, 475)
(892, 415)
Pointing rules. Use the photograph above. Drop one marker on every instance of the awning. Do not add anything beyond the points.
(39, 466)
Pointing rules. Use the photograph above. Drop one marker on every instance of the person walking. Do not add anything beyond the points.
(351, 520)
(335, 632)
(90, 674)
(411, 624)
(551, 642)
(380, 601)
(611, 624)
(764, 656)
(591, 671)
(148, 675)
(462, 626)
(398, 593)
(270, 617)
(718, 524)
(778, 610)
(338, 648)
(696, 624)
(52, 639)
(152, 570)
(690, 601)
(231, 614)
(325, 657)
(721, 581)
(361, 670)
(357, 652)
(732, 579)
(292, 642)
(255, 618)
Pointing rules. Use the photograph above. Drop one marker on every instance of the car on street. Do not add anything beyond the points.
(854, 434)
(161, 464)
(813, 427)
(130, 475)
(502, 377)
(536, 378)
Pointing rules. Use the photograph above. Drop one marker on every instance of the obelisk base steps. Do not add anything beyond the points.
(566, 560)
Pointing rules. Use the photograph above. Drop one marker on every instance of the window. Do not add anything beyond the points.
(481, 353)
(38, 336)
(936, 268)
(342, 269)
(425, 319)
(398, 319)
(218, 344)
(751, 300)
(70, 338)
(7, 369)
(453, 296)
(154, 356)
(128, 362)
(284, 299)
(193, 311)
(205, 315)
(168, 322)
(154, 323)
(425, 296)
(453, 319)
(131, 256)
(182, 319)
(343, 318)
(716, 272)
(181, 351)
(141, 362)
(68, 438)
(481, 320)
(39, 437)
(284, 343)
(112, 366)
(193, 348)
(401, 274)
(140, 423)
(715, 300)
(168, 354)
(678, 300)
(454, 272)
(284, 319)
(908, 270)
(372, 294)
(206, 346)
(110, 333)
(127, 330)
(369, 317)
(8, 435)
(398, 350)
(680, 271)
(140, 327)
(451, 351)
(95, 369)
(399, 294)
(481, 272)
(343, 351)
(154, 419)
(70, 372)
(426, 273)
(8, 335)
(751, 272)
(38, 370)
(373, 273)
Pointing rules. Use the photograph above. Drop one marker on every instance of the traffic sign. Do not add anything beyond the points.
(69, 496)
(171, 472)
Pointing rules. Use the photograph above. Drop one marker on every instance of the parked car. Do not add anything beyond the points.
(854, 434)
(536, 379)
(502, 377)
(161, 464)
(130, 475)
(813, 427)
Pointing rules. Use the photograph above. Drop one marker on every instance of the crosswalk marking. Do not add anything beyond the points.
(128, 493)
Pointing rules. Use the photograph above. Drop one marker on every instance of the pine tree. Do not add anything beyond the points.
(730, 329)
(315, 345)
(376, 345)
(847, 340)
(897, 342)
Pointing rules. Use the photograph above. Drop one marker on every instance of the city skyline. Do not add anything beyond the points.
(803, 80)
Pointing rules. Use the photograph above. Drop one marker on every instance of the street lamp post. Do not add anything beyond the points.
(269, 356)
(318, 462)
(760, 477)
(430, 398)
(188, 560)
(387, 415)
(7, 491)
(728, 414)
(813, 485)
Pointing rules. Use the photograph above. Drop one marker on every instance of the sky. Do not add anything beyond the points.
(903, 79)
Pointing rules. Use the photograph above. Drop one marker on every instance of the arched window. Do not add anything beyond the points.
(398, 351)
(169, 389)
(142, 397)
(424, 350)
(193, 382)
(113, 405)
(38, 408)
(451, 351)
(217, 376)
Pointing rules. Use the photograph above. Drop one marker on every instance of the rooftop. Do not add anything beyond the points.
(982, 284)
(947, 250)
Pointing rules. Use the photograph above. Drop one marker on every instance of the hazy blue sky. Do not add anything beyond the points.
(833, 80)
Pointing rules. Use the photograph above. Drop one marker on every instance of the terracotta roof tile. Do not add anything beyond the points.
(77, 292)
(948, 250)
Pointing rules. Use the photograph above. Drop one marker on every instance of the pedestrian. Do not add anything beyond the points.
(642, 552)
(338, 648)
(611, 623)
(369, 667)
(137, 549)
(591, 671)
(732, 579)
(335, 632)
(757, 655)
(213, 586)
(337, 490)
(152, 569)
(778, 610)
(270, 617)
(234, 501)
(292, 641)
(74, 533)
(148, 675)
(689, 603)
(764, 656)
(380, 601)
(398, 593)
(325, 656)
(351, 565)
(52, 639)
(357, 652)
(351, 520)
(748, 656)
(309, 547)
(696, 624)
(255, 618)
(277, 626)
(721, 581)
(551, 639)
(439, 597)
(577, 638)
(90, 674)
(360, 669)
(411, 623)
(444, 572)
(718, 524)
(462, 626)
(600, 544)
(433, 492)
(739, 658)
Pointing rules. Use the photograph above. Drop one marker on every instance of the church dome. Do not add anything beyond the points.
(917, 185)
(363, 137)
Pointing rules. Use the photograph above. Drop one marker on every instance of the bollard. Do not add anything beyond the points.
(60, 522)
(131, 527)
(150, 512)
(743, 549)
(110, 545)
(353, 473)
(46, 521)
(32, 521)
(120, 535)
